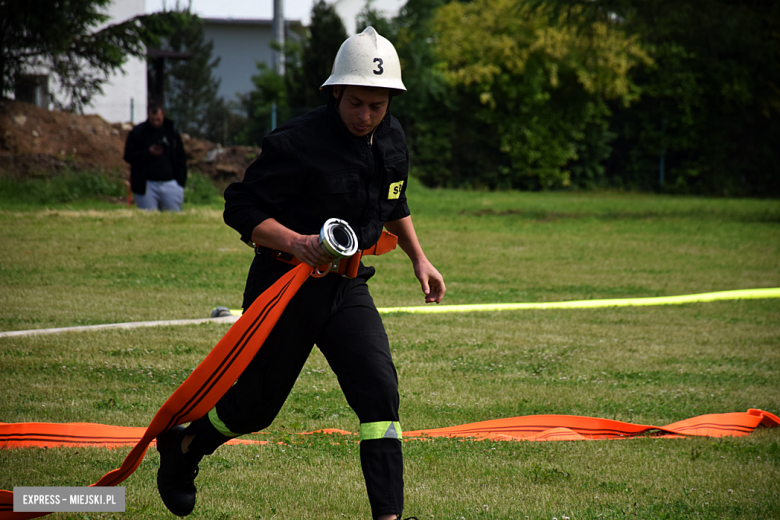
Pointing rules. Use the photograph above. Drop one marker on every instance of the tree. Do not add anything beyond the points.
(191, 90)
(538, 85)
(60, 36)
(269, 94)
(369, 16)
(708, 120)
(429, 110)
(307, 67)
(325, 35)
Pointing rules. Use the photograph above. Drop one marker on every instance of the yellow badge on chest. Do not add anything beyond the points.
(395, 190)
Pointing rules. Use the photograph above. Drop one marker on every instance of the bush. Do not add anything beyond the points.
(534, 88)
(200, 190)
(68, 186)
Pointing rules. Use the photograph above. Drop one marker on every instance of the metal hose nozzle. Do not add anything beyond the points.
(337, 239)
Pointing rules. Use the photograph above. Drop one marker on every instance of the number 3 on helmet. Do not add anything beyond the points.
(367, 60)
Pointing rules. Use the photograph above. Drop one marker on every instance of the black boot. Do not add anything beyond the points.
(176, 476)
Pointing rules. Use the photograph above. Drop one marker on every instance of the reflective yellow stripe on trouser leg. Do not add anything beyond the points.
(217, 423)
(380, 430)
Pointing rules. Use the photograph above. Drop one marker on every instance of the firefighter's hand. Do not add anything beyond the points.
(431, 281)
(306, 248)
(156, 150)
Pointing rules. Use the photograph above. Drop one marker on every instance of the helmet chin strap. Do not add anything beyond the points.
(341, 96)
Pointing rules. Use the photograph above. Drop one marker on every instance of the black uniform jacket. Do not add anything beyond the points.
(137, 154)
(312, 169)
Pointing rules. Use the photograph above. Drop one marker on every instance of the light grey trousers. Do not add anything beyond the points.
(161, 195)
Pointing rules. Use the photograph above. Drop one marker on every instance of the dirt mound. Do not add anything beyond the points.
(221, 164)
(35, 142)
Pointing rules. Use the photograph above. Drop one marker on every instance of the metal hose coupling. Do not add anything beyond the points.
(337, 239)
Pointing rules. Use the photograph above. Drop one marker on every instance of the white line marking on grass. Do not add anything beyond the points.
(110, 326)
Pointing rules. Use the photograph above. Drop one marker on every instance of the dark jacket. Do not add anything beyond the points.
(137, 154)
(313, 169)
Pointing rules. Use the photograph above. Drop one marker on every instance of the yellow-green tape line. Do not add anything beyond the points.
(586, 304)
(743, 294)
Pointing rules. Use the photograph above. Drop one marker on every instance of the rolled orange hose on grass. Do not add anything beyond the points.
(524, 428)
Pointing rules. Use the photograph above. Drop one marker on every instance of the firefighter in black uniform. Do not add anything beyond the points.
(347, 160)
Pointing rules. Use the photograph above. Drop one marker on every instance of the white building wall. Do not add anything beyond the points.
(240, 44)
(124, 95)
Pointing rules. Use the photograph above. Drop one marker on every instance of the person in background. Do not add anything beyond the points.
(158, 166)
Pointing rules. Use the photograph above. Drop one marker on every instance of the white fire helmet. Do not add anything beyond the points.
(367, 60)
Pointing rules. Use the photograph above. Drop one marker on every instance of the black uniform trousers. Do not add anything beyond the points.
(339, 315)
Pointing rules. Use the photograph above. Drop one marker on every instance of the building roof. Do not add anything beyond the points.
(247, 21)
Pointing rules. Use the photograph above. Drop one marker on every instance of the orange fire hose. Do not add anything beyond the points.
(525, 428)
(129, 194)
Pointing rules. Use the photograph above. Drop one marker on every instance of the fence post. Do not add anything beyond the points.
(662, 165)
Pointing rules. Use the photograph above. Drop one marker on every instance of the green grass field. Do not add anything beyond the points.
(94, 262)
